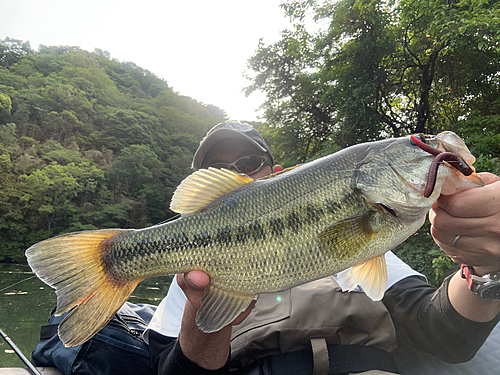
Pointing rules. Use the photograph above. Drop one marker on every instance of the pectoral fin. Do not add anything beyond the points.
(371, 275)
(219, 308)
(347, 237)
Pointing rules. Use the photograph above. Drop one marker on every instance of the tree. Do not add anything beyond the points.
(12, 50)
(51, 194)
(126, 127)
(5, 108)
(10, 214)
(87, 142)
(377, 68)
(136, 167)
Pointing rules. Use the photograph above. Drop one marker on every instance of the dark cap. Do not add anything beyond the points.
(229, 130)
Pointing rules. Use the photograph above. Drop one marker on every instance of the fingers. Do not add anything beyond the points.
(488, 178)
(474, 216)
(193, 281)
(193, 285)
(450, 226)
(476, 251)
(476, 202)
(197, 279)
(475, 212)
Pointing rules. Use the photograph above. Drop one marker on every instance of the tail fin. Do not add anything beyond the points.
(74, 266)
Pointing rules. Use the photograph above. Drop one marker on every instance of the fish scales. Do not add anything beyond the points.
(249, 217)
(343, 210)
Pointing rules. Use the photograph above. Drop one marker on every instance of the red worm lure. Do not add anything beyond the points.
(453, 159)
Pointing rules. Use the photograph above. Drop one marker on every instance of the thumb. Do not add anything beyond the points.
(197, 280)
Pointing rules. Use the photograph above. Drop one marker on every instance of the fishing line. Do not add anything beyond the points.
(19, 282)
(175, 217)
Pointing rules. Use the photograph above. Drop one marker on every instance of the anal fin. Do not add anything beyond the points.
(219, 308)
(371, 275)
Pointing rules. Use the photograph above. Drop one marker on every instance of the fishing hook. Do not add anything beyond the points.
(449, 157)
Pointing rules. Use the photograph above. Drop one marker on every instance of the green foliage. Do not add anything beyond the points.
(371, 69)
(482, 133)
(87, 142)
(12, 50)
(5, 107)
(349, 71)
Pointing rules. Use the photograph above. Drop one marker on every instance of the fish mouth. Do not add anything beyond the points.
(441, 157)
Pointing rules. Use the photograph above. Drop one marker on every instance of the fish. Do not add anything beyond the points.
(340, 212)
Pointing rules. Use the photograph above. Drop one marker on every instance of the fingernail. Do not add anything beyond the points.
(191, 281)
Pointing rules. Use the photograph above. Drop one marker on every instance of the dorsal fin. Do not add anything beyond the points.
(203, 187)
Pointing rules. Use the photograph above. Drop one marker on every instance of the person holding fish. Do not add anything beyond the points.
(249, 229)
(349, 332)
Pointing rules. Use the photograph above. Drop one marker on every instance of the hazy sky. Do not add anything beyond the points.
(200, 47)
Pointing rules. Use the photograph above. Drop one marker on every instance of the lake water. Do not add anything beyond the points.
(25, 307)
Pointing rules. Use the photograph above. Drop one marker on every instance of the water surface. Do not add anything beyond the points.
(26, 306)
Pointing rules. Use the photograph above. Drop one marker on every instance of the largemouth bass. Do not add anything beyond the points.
(343, 210)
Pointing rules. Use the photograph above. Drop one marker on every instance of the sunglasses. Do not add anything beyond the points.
(247, 164)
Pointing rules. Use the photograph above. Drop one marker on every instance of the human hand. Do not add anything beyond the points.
(193, 285)
(473, 214)
(208, 350)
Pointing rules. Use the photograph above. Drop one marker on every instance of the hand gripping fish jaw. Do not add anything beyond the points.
(453, 159)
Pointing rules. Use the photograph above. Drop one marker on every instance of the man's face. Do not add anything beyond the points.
(229, 150)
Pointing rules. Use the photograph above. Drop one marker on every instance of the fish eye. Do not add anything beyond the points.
(419, 137)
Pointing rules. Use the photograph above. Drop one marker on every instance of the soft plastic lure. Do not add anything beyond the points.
(449, 157)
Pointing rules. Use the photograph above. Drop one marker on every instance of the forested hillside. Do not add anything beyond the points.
(88, 142)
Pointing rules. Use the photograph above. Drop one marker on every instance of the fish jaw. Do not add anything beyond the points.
(401, 175)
